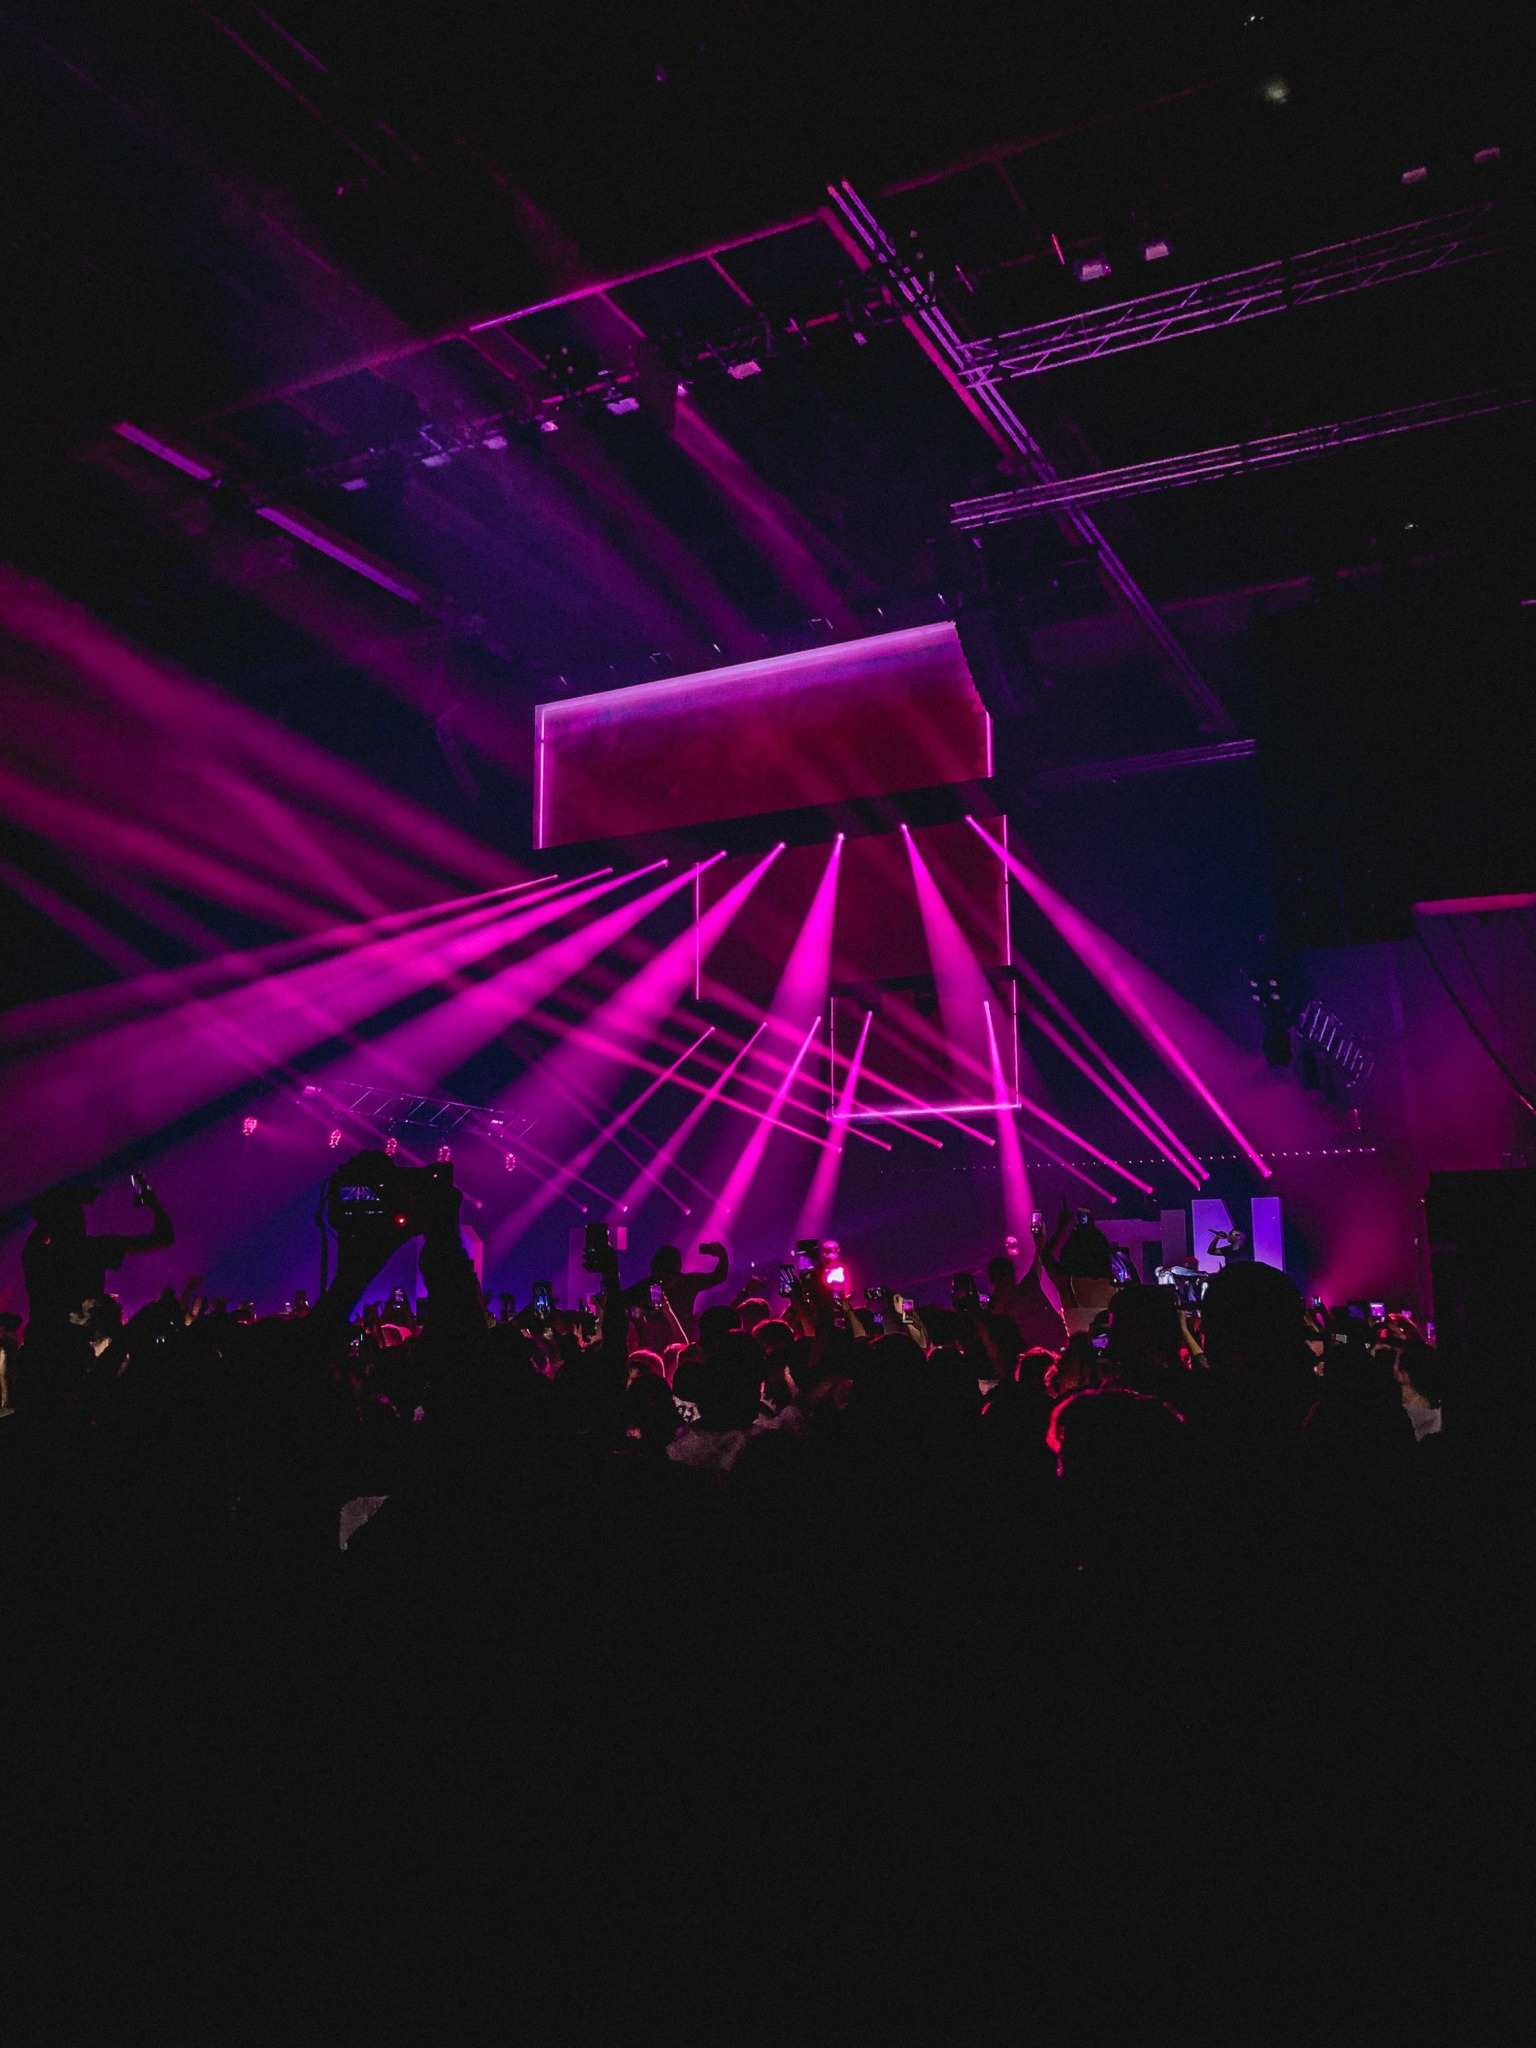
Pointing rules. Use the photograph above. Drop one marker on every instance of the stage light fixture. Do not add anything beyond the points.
(438, 461)
(1417, 175)
(496, 441)
(750, 368)
(510, 1162)
(1275, 91)
(1486, 156)
(1155, 248)
(444, 1154)
(248, 1128)
(1089, 269)
(334, 1140)
(355, 483)
(549, 427)
(622, 405)
(391, 1147)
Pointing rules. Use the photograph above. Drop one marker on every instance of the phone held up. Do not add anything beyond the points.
(543, 1303)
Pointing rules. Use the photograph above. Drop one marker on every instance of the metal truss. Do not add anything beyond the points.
(916, 295)
(1215, 302)
(1320, 1028)
(402, 1111)
(1273, 451)
(1146, 764)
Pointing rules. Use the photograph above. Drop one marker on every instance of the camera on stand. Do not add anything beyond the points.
(371, 1189)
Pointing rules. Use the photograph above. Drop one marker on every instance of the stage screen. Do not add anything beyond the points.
(861, 718)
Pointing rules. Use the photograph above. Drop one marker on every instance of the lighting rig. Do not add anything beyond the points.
(392, 1117)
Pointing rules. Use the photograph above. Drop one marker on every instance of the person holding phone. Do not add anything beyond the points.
(1024, 1300)
(680, 1289)
(1081, 1265)
(65, 1268)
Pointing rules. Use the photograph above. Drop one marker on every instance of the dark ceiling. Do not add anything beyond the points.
(545, 315)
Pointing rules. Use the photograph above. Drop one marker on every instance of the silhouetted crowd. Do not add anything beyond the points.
(797, 1667)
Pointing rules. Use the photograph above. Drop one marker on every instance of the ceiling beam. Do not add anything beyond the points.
(868, 241)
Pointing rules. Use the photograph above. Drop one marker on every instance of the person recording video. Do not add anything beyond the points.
(680, 1289)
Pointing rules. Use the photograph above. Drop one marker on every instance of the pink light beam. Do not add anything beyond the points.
(1123, 977)
(744, 1171)
(1016, 1197)
(690, 1123)
(816, 1210)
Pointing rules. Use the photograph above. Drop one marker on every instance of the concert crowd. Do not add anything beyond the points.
(739, 1654)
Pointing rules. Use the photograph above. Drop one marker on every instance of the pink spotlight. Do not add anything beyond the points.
(1069, 1051)
(535, 1203)
(743, 1172)
(1016, 1198)
(816, 1211)
(679, 1137)
(1123, 977)
(248, 1128)
(963, 989)
(1093, 1151)
(1047, 994)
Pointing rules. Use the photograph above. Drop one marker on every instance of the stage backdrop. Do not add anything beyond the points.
(873, 721)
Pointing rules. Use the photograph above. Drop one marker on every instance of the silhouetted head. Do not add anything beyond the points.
(1079, 1367)
(715, 1324)
(666, 1262)
(1144, 1336)
(649, 1413)
(1006, 1343)
(774, 1335)
(1086, 1254)
(1419, 1366)
(1000, 1272)
(1252, 1319)
(730, 1386)
(61, 1212)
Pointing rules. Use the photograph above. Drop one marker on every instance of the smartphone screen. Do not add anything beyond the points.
(657, 1296)
(543, 1298)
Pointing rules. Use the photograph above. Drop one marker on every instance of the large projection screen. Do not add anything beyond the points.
(859, 719)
